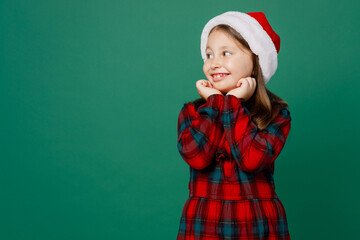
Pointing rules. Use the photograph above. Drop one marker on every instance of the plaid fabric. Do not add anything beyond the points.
(210, 219)
(230, 160)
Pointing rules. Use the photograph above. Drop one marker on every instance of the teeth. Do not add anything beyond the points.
(219, 75)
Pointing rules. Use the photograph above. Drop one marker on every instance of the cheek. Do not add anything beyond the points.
(239, 68)
(205, 68)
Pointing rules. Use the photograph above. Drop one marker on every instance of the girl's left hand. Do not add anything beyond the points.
(245, 88)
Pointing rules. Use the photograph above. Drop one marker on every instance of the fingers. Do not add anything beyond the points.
(201, 82)
(242, 81)
(251, 82)
(207, 84)
(238, 84)
(204, 83)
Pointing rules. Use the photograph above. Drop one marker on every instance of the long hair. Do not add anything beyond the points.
(263, 105)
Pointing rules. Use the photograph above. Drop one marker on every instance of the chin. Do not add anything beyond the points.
(224, 91)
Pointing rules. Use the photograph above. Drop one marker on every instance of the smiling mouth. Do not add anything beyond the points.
(219, 76)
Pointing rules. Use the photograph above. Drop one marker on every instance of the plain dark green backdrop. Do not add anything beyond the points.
(90, 93)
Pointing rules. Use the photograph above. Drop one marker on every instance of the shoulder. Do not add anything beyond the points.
(281, 115)
(195, 104)
(198, 102)
(280, 110)
(283, 118)
(284, 113)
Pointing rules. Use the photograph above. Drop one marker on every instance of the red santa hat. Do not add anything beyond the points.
(256, 30)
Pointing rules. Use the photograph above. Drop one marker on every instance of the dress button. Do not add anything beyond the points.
(220, 156)
(226, 163)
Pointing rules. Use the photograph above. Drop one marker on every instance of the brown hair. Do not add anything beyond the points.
(263, 105)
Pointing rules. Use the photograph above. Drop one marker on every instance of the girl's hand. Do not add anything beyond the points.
(245, 88)
(205, 89)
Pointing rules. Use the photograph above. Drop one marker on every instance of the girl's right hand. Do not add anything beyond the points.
(205, 89)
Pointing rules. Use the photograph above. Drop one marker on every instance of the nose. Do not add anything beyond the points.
(215, 63)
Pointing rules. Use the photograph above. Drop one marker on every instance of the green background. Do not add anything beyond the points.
(90, 93)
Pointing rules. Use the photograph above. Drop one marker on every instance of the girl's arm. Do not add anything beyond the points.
(200, 132)
(252, 149)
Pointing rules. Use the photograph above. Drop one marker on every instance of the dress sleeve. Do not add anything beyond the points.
(252, 149)
(200, 132)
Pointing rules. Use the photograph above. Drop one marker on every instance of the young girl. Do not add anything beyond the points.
(231, 136)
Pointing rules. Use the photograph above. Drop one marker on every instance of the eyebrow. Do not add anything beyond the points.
(222, 47)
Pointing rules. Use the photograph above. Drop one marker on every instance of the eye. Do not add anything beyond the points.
(207, 55)
(227, 52)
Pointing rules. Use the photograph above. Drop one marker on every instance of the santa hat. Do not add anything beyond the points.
(256, 30)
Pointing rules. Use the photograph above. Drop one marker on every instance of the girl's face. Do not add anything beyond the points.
(227, 56)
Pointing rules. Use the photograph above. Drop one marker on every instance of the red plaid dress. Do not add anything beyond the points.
(232, 192)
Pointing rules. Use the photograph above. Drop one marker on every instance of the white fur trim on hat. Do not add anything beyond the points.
(251, 30)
